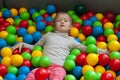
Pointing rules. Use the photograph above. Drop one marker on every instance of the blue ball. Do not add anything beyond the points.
(77, 71)
(0, 58)
(21, 32)
(36, 36)
(48, 19)
(87, 23)
(24, 70)
(16, 17)
(6, 13)
(27, 38)
(3, 43)
(93, 19)
(21, 77)
(97, 30)
(78, 40)
(40, 26)
(118, 73)
(10, 76)
(107, 67)
(32, 10)
(118, 35)
(51, 9)
(38, 18)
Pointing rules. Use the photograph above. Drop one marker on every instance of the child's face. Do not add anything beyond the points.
(63, 22)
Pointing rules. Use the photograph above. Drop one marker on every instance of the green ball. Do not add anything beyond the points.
(70, 12)
(35, 61)
(118, 17)
(75, 52)
(90, 75)
(117, 24)
(91, 48)
(4, 9)
(26, 55)
(44, 62)
(12, 69)
(79, 21)
(17, 21)
(74, 17)
(10, 39)
(35, 14)
(71, 57)
(30, 22)
(115, 54)
(42, 11)
(69, 65)
(49, 29)
(98, 75)
(38, 48)
(90, 40)
(80, 9)
(97, 23)
(11, 29)
(69, 77)
(24, 15)
(108, 31)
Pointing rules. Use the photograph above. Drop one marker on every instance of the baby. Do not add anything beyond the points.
(57, 46)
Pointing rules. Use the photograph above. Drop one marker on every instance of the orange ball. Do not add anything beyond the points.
(81, 37)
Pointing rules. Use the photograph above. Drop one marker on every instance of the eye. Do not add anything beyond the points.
(66, 21)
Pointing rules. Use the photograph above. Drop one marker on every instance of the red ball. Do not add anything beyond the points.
(110, 16)
(41, 74)
(25, 50)
(90, 14)
(44, 21)
(3, 70)
(50, 23)
(114, 64)
(104, 20)
(16, 51)
(2, 28)
(17, 27)
(101, 38)
(106, 76)
(116, 30)
(24, 23)
(81, 59)
(45, 15)
(77, 25)
(1, 19)
(103, 59)
(5, 23)
(47, 72)
(84, 17)
(26, 63)
(87, 30)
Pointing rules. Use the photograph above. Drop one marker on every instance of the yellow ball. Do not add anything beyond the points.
(102, 45)
(114, 45)
(6, 51)
(36, 53)
(81, 37)
(0, 14)
(108, 25)
(99, 16)
(112, 72)
(112, 37)
(10, 20)
(31, 29)
(3, 34)
(100, 69)
(82, 78)
(1, 78)
(14, 12)
(6, 61)
(86, 68)
(74, 32)
(92, 59)
(16, 60)
(19, 39)
(22, 10)
(53, 15)
(118, 78)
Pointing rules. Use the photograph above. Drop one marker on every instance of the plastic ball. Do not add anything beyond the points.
(24, 70)
(11, 29)
(25, 49)
(6, 51)
(37, 53)
(75, 51)
(87, 68)
(34, 15)
(40, 26)
(87, 30)
(101, 38)
(82, 78)
(22, 32)
(16, 60)
(98, 75)
(38, 18)
(118, 35)
(108, 25)
(87, 23)
(78, 20)
(90, 14)
(92, 59)
(38, 48)
(77, 25)
(10, 39)
(118, 78)
(21, 77)
(24, 15)
(97, 23)
(74, 32)
(44, 61)
(24, 23)
(93, 19)
(1, 78)
(69, 65)
(90, 40)
(81, 37)
(10, 76)
(10, 20)
(17, 21)
(106, 76)
(14, 12)
(35, 61)
(26, 55)
(114, 45)
(48, 19)
(51, 9)
(69, 77)
(112, 37)
(3, 70)
(99, 69)
(27, 38)
(110, 16)
(112, 72)
(36, 36)
(42, 11)
(32, 10)
(31, 29)
(99, 16)
(91, 48)
(22, 9)
(49, 29)
(97, 31)
(108, 31)
(6, 61)
(77, 72)
(115, 55)
(71, 57)
(6, 13)
(26, 63)
(12, 69)
(53, 15)
(90, 75)
(104, 20)
(3, 43)
(80, 9)
(102, 45)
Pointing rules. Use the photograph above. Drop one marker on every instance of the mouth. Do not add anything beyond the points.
(62, 25)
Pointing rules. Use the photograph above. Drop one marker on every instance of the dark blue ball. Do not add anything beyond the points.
(36, 36)
(40, 26)
(51, 9)
(22, 32)
(97, 30)
(27, 38)
(6, 13)
(77, 71)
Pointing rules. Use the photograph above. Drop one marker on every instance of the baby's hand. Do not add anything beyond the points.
(19, 46)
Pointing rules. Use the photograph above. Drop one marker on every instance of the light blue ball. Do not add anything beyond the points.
(32, 10)
(77, 71)
(9, 76)
(36, 36)
(24, 70)
(38, 18)
(40, 26)
(118, 35)
(78, 40)
(48, 19)
(97, 30)
(27, 38)
(21, 32)
(21, 77)
(6, 13)
(87, 23)
(93, 19)
(51, 9)
(3, 43)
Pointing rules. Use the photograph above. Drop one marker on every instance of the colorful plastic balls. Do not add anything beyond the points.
(80, 9)
(12, 69)
(27, 38)
(16, 60)
(10, 20)
(101, 38)
(40, 26)
(110, 16)
(6, 13)
(35, 61)
(11, 29)
(114, 64)
(6, 61)
(38, 48)
(69, 77)
(38, 18)
(24, 70)
(71, 57)
(51, 9)
(97, 31)
(99, 16)
(21, 77)
(34, 15)
(3, 70)
(115, 55)
(74, 32)
(32, 10)
(14, 12)
(90, 40)
(114, 45)
(106, 76)
(6, 51)
(49, 29)
(97, 23)
(17, 21)
(3, 43)
(26, 55)
(91, 48)
(22, 32)
(36, 53)
(108, 31)
(108, 25)
(42, 11)
(10, 39)
(77, 72)
(87, 30)
(102, 45)
(77, 25)
(90, 75)
(87, 23)
(26, 63)
(69, 65)
(99, 69)
(93, 19)
(24, 23)
(112, 37)
(75, 51)
(10, 76)
(31, 29)
(44, 62)
(24, 15)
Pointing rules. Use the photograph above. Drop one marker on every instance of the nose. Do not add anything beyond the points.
(62, 21)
